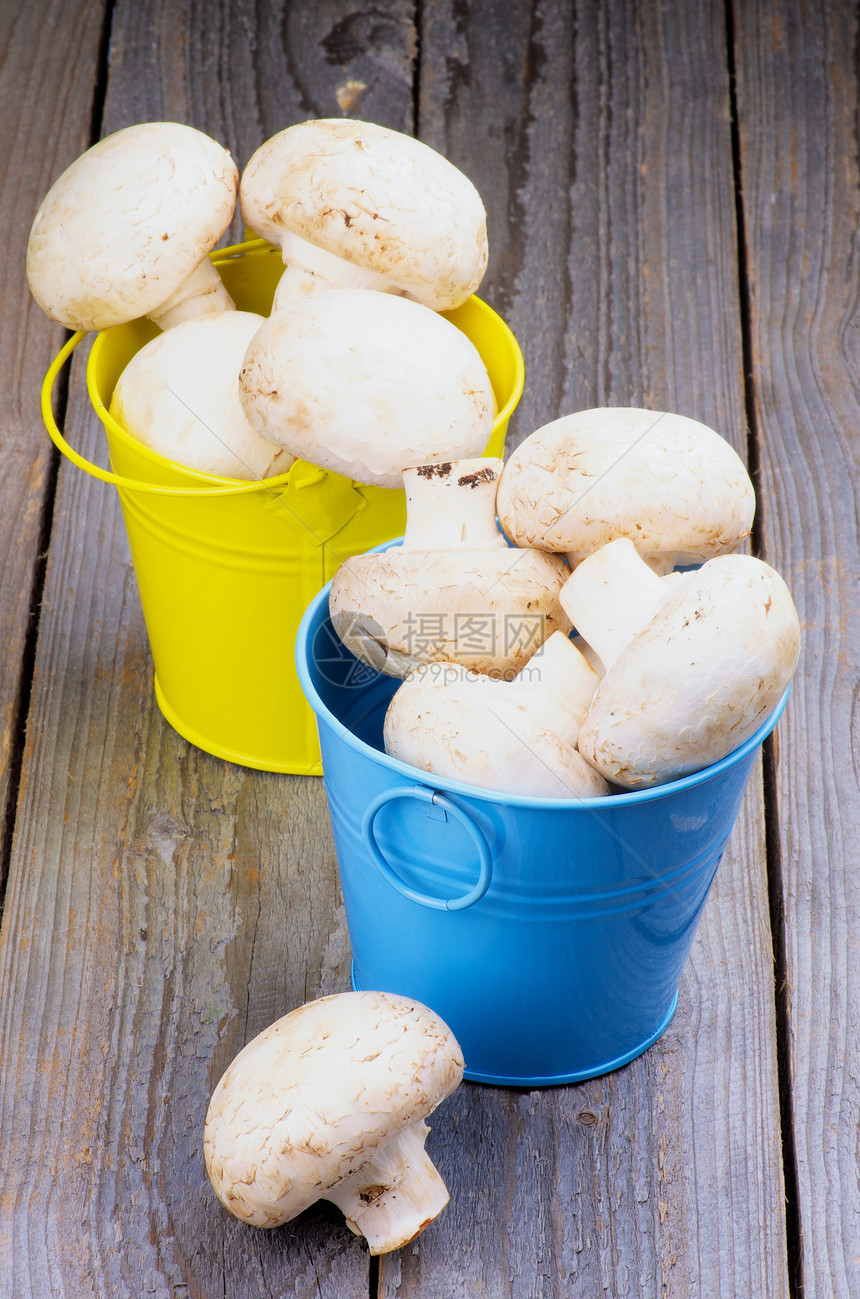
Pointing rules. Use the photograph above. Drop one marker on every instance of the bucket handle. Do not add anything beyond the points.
(425, 795)
(105, 475)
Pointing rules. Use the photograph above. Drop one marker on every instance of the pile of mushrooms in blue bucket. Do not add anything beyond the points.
(575, 623)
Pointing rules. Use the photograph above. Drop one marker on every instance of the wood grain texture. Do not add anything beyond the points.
(243, 71)
(798, 101)
(606, 172)
(605, 165)
(163, 906)
(46, 97)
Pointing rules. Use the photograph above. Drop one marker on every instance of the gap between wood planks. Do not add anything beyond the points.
(28, 657)
(776, 898)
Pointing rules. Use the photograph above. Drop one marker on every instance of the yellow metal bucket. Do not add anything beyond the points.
(225, 569)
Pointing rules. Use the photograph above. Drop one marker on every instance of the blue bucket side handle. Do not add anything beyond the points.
(425, 795)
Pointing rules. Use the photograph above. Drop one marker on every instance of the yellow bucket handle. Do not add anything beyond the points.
(228, 488)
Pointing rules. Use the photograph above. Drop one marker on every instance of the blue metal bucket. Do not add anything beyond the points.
(549, 934)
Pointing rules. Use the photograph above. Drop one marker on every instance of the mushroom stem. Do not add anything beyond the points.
(559, 683)
(452, 504)
(395, 1194)
(610, 596)
(454, 591)
(309, 267)
(202, 294)
(699, 676)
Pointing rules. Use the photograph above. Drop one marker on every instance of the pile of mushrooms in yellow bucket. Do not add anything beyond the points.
(226, 565)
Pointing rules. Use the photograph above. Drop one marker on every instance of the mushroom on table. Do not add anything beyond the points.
(330, 1103)
(126, 230)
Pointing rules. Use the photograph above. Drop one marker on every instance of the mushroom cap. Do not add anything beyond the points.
(179, 395)
(367, 385)
(700, 677)
(126, 224)
(458, 724)
(318, 1092)
(674, 486)
(377, 198)
(486, 608)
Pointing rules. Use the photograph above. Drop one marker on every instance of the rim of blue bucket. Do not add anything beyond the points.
(494, 796)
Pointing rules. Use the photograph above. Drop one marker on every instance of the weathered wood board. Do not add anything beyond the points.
(798, 124)
(47, 94)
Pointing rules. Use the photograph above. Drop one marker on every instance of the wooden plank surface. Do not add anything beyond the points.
(47, 93)
(798, 98)
(163, 906)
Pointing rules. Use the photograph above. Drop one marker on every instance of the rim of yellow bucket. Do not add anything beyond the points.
(209, 484)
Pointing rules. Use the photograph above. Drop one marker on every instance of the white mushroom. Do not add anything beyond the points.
(513, 737)
(179, 395)
(674, 486)
(354, 204)
(366, 385)
(329, 1103)
(689, 681)
(615, 594)
(126, 229)
(454, 590)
